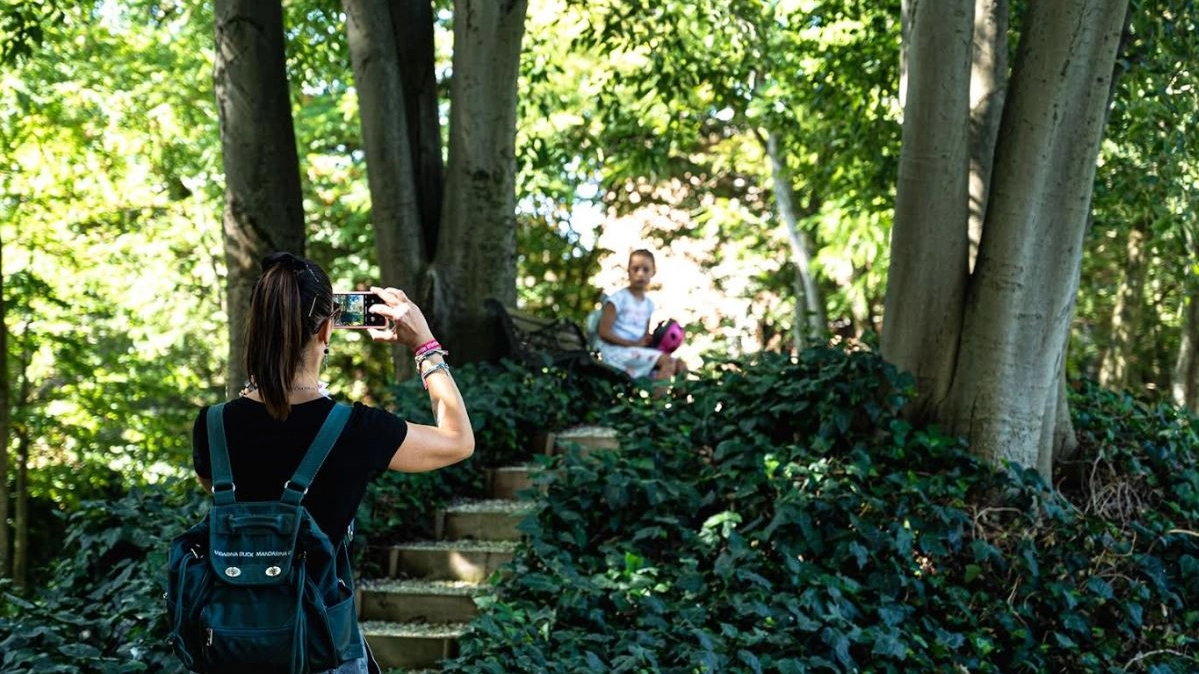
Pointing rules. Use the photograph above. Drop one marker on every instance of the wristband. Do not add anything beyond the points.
(424, 377)
(427, 346)
(421, 358)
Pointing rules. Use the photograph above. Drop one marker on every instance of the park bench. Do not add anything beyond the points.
(538, 341)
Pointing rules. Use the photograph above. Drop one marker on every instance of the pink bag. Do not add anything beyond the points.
(668, 336)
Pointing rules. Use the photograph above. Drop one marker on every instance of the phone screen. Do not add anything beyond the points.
(354, 312)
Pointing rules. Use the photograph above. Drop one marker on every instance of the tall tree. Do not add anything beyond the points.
(445, 234)
(987, 345)
(392, 52)
(4, 425)
(476, 251)
(1115, 363)
(263, 205)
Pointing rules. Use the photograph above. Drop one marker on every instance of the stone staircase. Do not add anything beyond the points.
(414, 614)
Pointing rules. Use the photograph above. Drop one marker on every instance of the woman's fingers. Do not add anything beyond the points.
(382, 335)
(408, 323)
(392, 296)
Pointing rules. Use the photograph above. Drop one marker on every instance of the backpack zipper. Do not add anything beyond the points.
(208, 642)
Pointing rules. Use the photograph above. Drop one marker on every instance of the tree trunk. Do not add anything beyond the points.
(1125, 325)
(5, 418)
(987, 347)
(1021, 297)
(412, 23)
(263, 206)
(1063, 440)
(810, 324)
(926, 280)
(476, 252)
(401, 239)
(988, 86)
(20, 547)
(1185, 384)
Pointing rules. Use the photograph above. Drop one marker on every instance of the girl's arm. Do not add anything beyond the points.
(607, 320)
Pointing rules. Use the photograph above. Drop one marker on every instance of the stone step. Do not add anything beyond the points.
(491, 520)
(411, 645)
(419, 601)
(470, 561)
(508, 483)
(585, 439)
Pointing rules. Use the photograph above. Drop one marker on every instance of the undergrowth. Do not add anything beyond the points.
(786, 519)
(780, 518)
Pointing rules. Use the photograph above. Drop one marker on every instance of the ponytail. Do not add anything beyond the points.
(291, 300)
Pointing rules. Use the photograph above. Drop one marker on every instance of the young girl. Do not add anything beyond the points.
(624, 326)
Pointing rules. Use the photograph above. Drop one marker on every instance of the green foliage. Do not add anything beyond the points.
(786, 519)
(1146, 186)
(24, 25)
(101, 613)
(107, 218)
(781, 517)
(679, 105)
(556, 268)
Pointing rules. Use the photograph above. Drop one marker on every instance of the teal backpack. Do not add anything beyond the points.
(258, 587)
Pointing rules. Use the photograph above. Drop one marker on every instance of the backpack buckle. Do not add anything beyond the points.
(288, 485)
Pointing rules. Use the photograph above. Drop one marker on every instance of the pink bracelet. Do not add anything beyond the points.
(426, 347)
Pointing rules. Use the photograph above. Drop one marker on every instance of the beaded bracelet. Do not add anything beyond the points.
(424, 377)
(420, 359)
(426, 347)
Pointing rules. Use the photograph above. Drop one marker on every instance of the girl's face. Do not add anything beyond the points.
(641, 271)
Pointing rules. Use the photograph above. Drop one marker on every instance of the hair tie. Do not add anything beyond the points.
(283, 258)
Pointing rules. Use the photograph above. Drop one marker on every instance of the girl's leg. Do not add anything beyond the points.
(665, 367)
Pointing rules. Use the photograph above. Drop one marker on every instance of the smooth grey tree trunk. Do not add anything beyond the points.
(926, 280)
(263, 203)
(5, 429)
(810, 323)
(476, 251)
(988, 86)
(988, 346)
(1006, 388)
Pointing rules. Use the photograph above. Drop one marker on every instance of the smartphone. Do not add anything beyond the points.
(355, 311)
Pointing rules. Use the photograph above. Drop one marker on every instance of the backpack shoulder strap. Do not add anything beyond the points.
(218, 456)
(297, 486)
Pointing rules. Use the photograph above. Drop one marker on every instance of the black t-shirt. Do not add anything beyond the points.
(264, 453)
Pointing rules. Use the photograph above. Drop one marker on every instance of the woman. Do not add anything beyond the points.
(284, 404)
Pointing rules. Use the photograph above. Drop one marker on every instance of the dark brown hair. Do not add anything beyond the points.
(291, 300)
(644, 252)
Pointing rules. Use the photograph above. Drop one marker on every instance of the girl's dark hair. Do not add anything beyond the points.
(291, 300)
(644, 252)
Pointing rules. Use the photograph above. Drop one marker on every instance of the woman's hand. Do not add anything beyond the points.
(408, 324)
